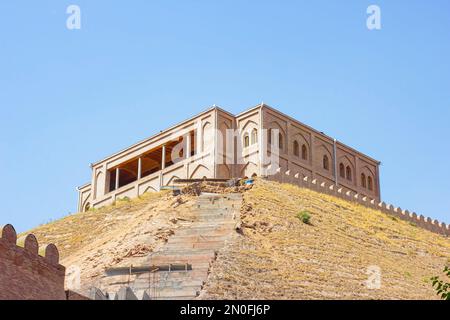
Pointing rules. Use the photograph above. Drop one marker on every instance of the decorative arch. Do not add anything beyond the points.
(149, 188)
(86, 203)
(363, 180)
(87, 206)
(326, 162)
(370, 183)
(370, 178)
(206, 135)
(281, 141)
(249, 125)
(254, 136)
(222, 140)
(200, 171)
(99, 182)
(346, 162)
(303, 146)
(249, 169)
(301, 139)
(325, 157)
(305, 152)
(282, 134)
(348, 173)
(296, 147)
(341, 170)
(246, 140)
(171, 180)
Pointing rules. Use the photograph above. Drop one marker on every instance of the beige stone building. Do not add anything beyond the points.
(217, 144)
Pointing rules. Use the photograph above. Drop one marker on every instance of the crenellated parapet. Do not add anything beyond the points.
(29, 271)
(346, 194)
(48, 253)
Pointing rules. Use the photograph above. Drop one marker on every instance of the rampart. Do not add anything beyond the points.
(344, 193)
(27, 271)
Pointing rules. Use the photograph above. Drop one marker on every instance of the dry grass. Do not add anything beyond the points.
(280, 257)
(116, 235)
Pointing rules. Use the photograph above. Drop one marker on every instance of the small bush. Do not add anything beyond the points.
(441, 286)
(304, 216)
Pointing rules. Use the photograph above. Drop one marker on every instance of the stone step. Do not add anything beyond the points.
(150, 294)
(194, 242)
(186, 280)
(177, 258)
(174, 292)
(205, 231)
(177, 298)
(213, 245)
(199, 274)
(182, 239)
(160, 286)
(207, 226)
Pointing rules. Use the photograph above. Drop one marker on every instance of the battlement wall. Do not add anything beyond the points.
(344, 193)
(27, 271)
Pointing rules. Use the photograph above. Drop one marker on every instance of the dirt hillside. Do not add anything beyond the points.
(118, 235)
(275, 255)
(281, 257)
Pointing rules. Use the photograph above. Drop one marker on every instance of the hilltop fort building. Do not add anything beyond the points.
(217, 144)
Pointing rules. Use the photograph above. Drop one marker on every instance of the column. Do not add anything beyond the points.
(357, 174)
(163, 157)
(139, 175)
(262, 144)
(188, 145)
(335, 168)
(188, 153)
(199, 137)
(117, 178)
(163, 165)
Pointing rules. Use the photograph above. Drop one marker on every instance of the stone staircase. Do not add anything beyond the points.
(194, 245)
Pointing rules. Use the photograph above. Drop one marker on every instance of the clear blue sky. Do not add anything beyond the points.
(71, 97)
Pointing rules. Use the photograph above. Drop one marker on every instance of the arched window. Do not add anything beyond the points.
(246, 140)
(280, 141)
(349, 173)
(254, 136)
(269, 136)
(363, 180)
(326, 163)
(370, 183)
(342, 170)
(304, 152)
(296, 149)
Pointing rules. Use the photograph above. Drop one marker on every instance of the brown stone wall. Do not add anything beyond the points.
(24, 273)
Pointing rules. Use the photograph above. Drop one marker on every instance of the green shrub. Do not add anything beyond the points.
(442, 287)
(304, 216)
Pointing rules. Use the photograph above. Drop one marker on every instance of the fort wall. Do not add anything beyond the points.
(27, 271)
(324, 186)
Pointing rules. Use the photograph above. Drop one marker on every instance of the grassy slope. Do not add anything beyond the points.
(114, 235)
(280, 257)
